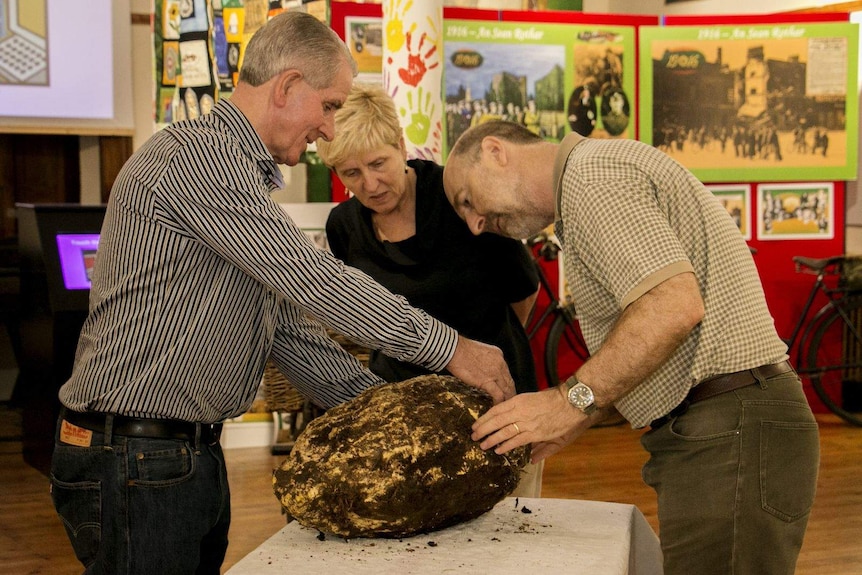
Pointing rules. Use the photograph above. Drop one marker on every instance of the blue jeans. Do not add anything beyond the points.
(132, 505)
(735, 477)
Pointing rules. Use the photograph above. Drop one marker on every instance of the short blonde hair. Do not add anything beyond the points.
(367, 120)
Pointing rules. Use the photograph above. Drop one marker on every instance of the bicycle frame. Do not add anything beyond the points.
(553, 305)
(818, 286)
(833, 303)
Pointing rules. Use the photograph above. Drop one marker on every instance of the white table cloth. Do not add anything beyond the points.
(523, 536)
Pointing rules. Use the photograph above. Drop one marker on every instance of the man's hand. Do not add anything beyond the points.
(544, 418)
(482, 365)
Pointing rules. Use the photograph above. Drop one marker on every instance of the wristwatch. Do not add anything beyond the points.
(581, 396)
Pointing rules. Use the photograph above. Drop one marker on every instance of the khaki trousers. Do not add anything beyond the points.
(735, 477)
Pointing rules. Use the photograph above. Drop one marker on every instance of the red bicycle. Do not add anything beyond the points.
(564, 348)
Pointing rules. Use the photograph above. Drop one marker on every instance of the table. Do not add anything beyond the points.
(518, 536)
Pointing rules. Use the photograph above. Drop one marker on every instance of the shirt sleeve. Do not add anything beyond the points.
(313, 363)
(623, 235)
(237, 219)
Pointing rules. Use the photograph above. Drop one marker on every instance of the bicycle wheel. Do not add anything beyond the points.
(833, 359)
(565, 349)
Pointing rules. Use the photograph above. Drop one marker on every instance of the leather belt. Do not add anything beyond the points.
(722, 384)
(208, 433)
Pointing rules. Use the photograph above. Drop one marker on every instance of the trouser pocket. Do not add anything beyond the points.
(789, 464)
(79, 507)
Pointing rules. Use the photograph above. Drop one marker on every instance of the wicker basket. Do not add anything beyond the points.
(359, 352)
(292, 409)
(279, 393)
(282, 396)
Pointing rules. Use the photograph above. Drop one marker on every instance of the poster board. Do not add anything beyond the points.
(773, 102)
(552, 78)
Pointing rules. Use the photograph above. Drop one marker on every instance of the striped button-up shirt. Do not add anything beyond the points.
(200, 277)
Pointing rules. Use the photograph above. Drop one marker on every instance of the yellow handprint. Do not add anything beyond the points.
(395, 34)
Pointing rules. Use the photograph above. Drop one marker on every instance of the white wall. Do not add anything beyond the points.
(142, 111)
(142, 75)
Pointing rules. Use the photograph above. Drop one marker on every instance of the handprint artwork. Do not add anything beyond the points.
(412, 72)
(416, 61)
(395, 24)
(418, 121)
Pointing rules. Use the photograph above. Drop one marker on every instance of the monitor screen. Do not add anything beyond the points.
(77, 254)
(57, 244)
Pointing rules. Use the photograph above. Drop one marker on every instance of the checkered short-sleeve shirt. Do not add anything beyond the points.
(631, 217)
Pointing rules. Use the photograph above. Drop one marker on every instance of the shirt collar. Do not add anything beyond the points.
(563, 152)
(236, 122)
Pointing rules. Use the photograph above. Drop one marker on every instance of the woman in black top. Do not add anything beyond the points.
(400, 229)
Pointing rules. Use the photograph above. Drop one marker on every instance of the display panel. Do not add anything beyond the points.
(752, 102)
(551, 78)
(77, 255)
(65, 67)
(56, 243)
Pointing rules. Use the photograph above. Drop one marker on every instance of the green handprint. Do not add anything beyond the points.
(420, 120)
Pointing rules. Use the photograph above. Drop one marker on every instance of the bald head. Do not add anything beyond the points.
(487, 180)
(470, 142)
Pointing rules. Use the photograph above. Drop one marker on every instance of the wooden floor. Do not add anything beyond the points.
(604, 465)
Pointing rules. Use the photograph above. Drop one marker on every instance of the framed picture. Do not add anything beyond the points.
(364, 37)
(798, 211)
(736, 199)
(752, 103)
(551, 78)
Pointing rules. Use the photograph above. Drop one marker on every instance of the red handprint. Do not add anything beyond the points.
(416, 68)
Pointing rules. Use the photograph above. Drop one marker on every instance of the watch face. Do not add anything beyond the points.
(580, 396)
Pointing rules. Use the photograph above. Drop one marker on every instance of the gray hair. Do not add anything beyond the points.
(295, 40)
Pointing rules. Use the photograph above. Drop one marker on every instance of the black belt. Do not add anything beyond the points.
(208, 433)
(722, 384)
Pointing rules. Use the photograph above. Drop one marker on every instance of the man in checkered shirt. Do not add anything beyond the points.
(681, 340)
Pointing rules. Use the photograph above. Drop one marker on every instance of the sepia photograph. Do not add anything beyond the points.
(752, 102)
(599, 106)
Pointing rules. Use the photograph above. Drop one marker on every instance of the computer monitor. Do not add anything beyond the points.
(58, 245)
(77, 255)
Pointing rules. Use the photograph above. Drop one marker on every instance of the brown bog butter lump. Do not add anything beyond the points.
(396, 461)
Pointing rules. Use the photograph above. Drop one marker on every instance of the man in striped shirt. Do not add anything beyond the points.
(200, 277)
(681, 340)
